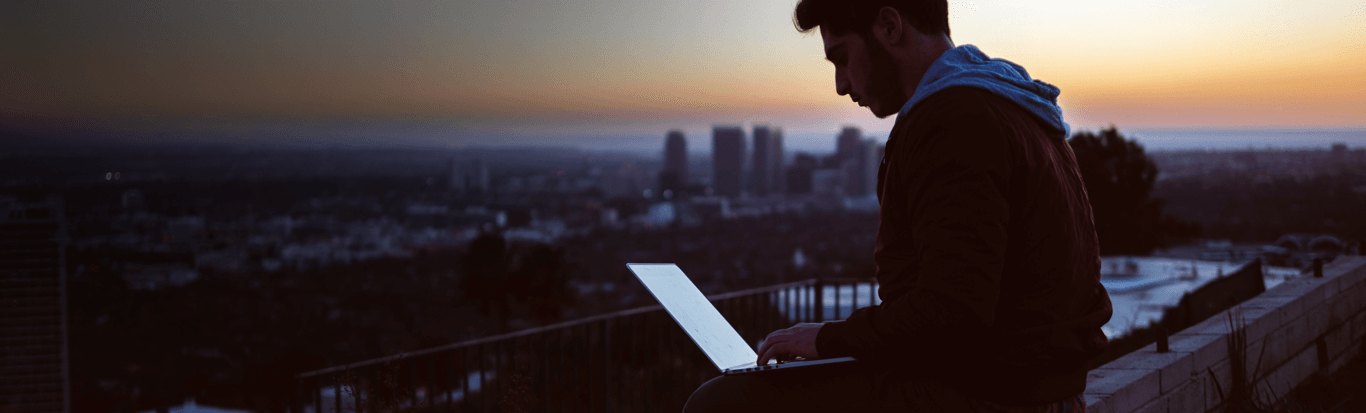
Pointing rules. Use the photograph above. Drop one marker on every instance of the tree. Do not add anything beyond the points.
(542, 283)
(485, 279)
(1119, 179)
(531, 282)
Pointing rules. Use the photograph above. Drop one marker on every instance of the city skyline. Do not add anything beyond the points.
(602, 72)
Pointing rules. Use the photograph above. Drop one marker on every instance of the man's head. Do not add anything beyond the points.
(880, 48)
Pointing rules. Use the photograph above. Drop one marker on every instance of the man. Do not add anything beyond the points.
(986, 250)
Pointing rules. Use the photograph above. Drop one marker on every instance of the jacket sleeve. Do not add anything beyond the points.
(956, 177)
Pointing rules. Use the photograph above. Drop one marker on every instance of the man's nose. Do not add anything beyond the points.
(841, 85)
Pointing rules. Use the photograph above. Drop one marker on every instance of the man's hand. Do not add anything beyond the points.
(789, 343)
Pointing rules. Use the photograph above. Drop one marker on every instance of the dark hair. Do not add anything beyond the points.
(842, 16)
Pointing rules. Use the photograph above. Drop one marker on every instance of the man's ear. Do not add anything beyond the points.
(888, 26)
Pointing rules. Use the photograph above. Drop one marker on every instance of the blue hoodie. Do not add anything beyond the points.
(967, 66)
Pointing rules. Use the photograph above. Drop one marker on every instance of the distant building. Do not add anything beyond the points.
(674, 177)
(828, 182)
(852, 153)
(710, 207)
(469, 178)
(1322, 244)
(872, 159)
(628, 180)
(848, 142)
(799, 174)
(33, 321)
(766, 164)
(457, 180)
(778, 166)
(191, 407)
(728, 160)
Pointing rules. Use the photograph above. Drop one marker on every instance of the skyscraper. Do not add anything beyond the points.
(871, 161)
(766, 166)
(847, 143)
(728, 160)
(675, 174)
(761, 164)
(33, 309)
(777, 169)
(799, 174)
(852, 154)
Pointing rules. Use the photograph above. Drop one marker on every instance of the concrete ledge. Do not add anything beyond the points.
(1284, 328)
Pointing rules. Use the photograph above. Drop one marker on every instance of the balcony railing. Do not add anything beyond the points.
(632, 360)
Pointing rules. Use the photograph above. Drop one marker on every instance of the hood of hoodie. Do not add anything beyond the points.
(966, 66)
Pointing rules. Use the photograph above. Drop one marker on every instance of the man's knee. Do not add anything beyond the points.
(719, 393)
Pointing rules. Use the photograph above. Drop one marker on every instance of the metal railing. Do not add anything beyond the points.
(632, 360)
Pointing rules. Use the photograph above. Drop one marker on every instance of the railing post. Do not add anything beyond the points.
(607, 364)
(317, 393)
(449, 362)
(546, 378)
(300, 397)
(429, 396)
(839, 300)
(464, 377)
(483, 386)
(336, 393)
(411, 366)
(1318, 268)
(820, 300)
(806, 301)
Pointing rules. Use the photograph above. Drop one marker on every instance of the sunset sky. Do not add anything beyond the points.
(491, 72)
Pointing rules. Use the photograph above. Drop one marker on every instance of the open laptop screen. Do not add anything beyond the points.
(695, 314)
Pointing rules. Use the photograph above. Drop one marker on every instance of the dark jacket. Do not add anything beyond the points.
(986, 253)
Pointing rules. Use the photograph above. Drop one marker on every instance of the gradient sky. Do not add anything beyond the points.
(500, 71)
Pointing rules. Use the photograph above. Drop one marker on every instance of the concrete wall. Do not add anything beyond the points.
(1292, 331)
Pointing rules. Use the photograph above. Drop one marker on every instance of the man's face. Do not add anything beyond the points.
(865, 72)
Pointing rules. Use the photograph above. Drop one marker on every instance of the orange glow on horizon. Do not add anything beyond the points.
(1194, 63)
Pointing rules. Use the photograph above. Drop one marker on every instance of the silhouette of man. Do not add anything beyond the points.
(986, 251)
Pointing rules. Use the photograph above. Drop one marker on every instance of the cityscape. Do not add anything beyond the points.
(444, 206)
(143, 221)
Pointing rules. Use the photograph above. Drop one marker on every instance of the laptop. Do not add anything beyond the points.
(699, 318)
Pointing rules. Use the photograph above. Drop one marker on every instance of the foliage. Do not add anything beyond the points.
(1243, 395)
(1119, 179)
(1246, 208)
(505, 282)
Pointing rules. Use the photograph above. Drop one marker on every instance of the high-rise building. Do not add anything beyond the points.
(33, 316)
(676, 154)
(799, 174)
(852, 155)
(872, 158)
(775, 140)
(728, 160)
(761, 164)
(766, 166)
(848, 142)
(674, 177)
